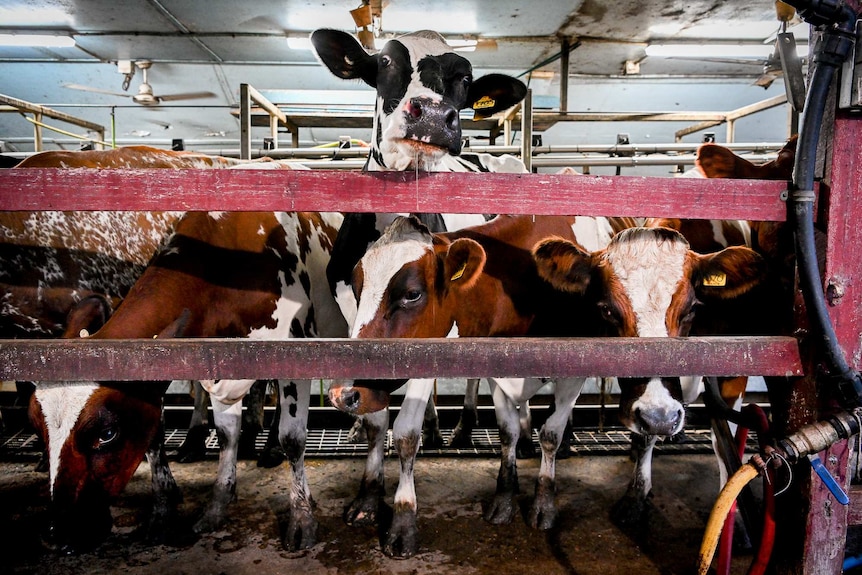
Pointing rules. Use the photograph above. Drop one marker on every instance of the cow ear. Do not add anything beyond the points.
(716, 161)
(494, 93)
(564, 265)
(344, 56)
(729, 273)
(463, 264)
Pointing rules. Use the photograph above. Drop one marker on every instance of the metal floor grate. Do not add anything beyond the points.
(336, 443)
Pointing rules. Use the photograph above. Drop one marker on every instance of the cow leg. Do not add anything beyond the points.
(462, 435)
(543, 512)
(631, 509)
(363, 509)
(402, 539)
(166, 493)
(272, 455)
(431, 436)
(525, 448)
(252, 419)
(228, 418)
(294, 397)
(502, 508)
(193, 447)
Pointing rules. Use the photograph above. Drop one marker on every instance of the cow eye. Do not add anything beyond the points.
(385, 61)
(107, 436)
(466, 81)
(607, 313)
(411, 296)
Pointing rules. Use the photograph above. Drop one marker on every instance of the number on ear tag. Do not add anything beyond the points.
(715, 280)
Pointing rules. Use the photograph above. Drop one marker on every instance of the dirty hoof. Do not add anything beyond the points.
(402, 539)
(502, 509)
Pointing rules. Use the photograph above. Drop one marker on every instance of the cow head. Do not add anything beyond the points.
(406, 285)
(648, 283)
(422, 85)
(96, 435)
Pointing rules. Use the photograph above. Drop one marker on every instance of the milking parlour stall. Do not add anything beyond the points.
(413, 353)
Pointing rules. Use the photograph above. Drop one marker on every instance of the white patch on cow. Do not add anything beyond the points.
(454, 331)
(216, 215)
(593, 234)
(261, 231)
(650, 270)
(61, 405)
(227, 391)
(346, 300)
(379, 264)
(657, 398)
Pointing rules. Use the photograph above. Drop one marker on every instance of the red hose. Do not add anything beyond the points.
(725, 548)
(767, 538)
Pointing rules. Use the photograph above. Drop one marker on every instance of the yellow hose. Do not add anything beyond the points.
(722, 506)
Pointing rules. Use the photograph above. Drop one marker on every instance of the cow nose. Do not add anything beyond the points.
(435, 123)
(658, 421)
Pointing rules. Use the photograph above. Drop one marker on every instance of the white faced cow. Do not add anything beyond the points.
(479, 281)
(647, 283)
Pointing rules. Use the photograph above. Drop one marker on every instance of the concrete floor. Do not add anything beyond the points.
(453, 537)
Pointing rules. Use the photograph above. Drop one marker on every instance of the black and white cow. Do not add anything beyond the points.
(422, 86)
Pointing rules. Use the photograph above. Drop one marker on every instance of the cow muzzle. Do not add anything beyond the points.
(362, 396)
(433, 123)
(652, 406)
(78, 530)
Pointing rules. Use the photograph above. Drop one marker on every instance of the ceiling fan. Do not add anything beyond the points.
(145, 95)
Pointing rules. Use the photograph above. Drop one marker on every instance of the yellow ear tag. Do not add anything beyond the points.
(459, 273)
(715, 280)
(484, 102)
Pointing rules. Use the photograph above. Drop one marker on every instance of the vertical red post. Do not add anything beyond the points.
(826, 523)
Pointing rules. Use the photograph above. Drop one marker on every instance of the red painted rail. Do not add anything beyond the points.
(283, 190)
(228, 190)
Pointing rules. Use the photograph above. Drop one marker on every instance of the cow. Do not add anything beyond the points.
(51, 260)
(241, 274)
(422, 85)
(647, 283)
(478, 281)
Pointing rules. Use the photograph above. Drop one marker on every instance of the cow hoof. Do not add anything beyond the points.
(543, 512)
(301, 532)
(272, 457)
(461, 438)
(502, 510)
(362, 511)
(402, 539)
(543, 515)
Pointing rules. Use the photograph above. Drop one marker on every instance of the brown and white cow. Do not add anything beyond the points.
(51, 260)
(256, 275)
(647, 283)
(479, 281)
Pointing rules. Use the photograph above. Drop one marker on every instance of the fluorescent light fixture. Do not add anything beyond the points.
(37, 40)
(299, 43)
(741, 51)
(458, 44)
